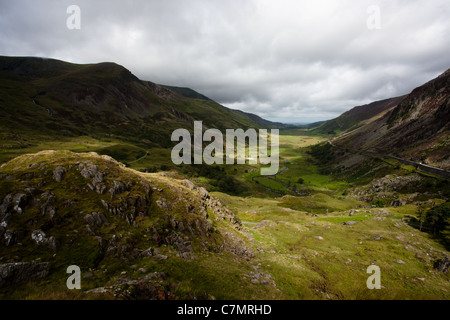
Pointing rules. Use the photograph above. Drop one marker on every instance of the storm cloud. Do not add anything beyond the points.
(290, 61)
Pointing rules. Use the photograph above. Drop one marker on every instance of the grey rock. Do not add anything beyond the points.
(20, 272)
(163, 205)
(100, 188)
(421, 279)
(189, 184)
(204, 194)
(442, 264)
(117, 188)
(150, 252)
(47, 206)
(58, 173)
(352, 212)
(97, 219)
(98, 178)
(89, 170)
(10, 237)
(51, 243)
(396, 203)
(6, 205)
(186, 255)
(39, 237)
(400, 261)
(349, 223)
(20, 200)
(105, 204)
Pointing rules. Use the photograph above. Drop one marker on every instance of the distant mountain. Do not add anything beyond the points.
(416, 128)
(48, 97)
(357, 116)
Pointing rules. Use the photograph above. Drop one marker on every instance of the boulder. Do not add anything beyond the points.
(58, 173)
(10, 237)
(89, 170)
(39, 237)
(189, 184)
(117, 188)
(20, 272)
(96, 219)
(6, 205)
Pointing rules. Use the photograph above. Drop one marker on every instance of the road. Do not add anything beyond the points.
(423, 167)
(146, 154)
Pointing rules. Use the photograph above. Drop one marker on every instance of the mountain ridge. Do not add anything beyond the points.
(416, 129)
(94, 97)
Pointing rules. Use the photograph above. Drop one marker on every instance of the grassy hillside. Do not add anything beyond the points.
(116, 223)
(357, 116)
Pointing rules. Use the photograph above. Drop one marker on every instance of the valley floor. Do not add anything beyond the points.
(313, 238)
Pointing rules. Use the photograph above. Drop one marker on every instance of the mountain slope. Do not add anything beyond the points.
(416, 129)
(357, 116)
(50, 98)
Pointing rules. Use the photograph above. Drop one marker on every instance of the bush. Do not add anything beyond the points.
(380, 202)
(438, 219)
(164, 167)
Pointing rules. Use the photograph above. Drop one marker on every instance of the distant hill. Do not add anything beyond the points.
(51, 98)
(416, 128)
(357, 116)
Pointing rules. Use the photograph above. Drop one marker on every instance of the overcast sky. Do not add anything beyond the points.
(289, 61)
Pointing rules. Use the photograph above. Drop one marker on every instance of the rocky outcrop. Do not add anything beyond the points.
(168, 220)
(20, 272)
(182, 244)
(96, 219)
(152, 286)
(442, 264)
(58, 173)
